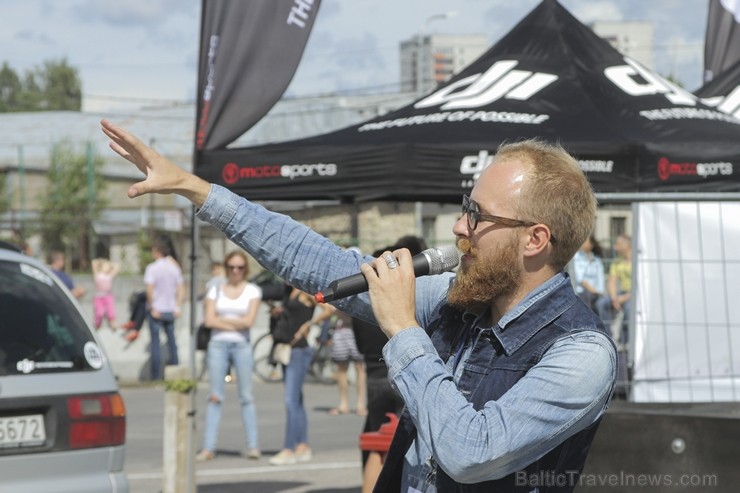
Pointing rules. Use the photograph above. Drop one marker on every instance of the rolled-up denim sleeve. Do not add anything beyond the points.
(298, 254)
(304, 258)
(567, 391)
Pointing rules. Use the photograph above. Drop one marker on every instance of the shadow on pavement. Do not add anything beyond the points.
(336, 490)
(267, 487)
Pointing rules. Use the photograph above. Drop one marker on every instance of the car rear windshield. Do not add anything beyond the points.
(40, 328)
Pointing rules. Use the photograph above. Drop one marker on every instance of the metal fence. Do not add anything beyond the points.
(685, 330)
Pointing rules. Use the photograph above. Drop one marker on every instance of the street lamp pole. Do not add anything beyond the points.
(420, 55)
(418, 209)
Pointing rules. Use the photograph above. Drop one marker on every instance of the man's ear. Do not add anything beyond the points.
(539, 237)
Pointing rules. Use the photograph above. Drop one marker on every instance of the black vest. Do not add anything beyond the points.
(489, 373)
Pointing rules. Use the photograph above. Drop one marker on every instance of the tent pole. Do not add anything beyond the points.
(612, 198)
(418, 211)
(194, 248)
(354, 222)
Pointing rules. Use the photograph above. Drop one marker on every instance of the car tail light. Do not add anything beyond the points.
(96, 420)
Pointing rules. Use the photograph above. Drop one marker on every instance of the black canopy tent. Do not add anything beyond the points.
(550, 77)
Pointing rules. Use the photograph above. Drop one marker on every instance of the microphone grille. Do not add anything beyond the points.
(442, 259)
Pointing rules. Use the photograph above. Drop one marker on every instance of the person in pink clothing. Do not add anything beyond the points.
(104, 303)
(164, 294)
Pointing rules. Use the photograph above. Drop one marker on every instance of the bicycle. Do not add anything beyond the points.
(322, 367)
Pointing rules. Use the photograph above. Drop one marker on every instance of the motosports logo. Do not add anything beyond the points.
(499, 81)
(232, 172)
(667, 169)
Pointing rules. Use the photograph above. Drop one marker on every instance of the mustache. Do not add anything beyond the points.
(463, 244)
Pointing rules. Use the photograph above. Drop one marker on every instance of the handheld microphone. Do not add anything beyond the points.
(429, 262)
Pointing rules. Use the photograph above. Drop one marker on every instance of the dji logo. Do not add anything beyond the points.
(635, 80)
(25, 366)
(499, 81)
(474, 165)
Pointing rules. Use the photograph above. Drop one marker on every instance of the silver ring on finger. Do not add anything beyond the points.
(391, 261)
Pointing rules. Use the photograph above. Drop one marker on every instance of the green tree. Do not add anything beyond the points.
(10, 89)
(31, 94)
(144, 241)
(61, 87)
(74, 200)
(55, 86)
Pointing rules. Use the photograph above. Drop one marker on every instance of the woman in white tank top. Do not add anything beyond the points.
(230, 310)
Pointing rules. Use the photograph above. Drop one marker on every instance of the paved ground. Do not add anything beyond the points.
(334, 439)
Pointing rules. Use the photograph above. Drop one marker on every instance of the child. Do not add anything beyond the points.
(104, 304)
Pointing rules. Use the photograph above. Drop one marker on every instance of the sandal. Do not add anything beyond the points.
(337, 411)
(204, 455)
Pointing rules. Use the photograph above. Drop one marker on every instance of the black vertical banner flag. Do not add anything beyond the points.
(249, 52)
(722, 40)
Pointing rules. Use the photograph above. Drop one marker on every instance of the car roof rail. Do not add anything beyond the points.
(10, 246)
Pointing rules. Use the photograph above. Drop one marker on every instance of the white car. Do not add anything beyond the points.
(62, 419)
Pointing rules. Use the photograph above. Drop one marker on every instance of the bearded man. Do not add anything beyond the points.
(505, 373)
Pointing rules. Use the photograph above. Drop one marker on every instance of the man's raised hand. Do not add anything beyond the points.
(162, 176)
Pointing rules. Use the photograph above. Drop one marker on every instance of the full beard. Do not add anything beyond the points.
(486, 278)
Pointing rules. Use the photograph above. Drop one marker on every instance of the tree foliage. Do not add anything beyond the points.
(10, 89)
(74, 200)
(144, 243)
(55, 86)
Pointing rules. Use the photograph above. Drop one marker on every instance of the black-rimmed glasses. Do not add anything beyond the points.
(473, 214)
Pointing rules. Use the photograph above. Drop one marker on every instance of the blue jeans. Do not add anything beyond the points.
(296, 422)
(606, 312)
(167, 322)
(239, 354)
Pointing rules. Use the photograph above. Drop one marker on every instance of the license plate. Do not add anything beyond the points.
(22, 431)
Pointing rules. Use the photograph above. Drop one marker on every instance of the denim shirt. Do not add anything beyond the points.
(553, 373)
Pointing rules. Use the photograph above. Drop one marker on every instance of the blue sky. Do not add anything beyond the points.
(132, 51)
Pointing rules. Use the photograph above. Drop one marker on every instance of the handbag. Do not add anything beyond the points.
(281, 353)
(202, 337)
(283, 331)
(203, 333)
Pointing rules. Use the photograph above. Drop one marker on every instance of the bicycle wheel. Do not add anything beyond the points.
(266, 370)
(322, 367)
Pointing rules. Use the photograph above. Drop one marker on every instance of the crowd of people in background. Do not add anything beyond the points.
(603, 283)
(231, 304)
(606, 291)
(158, 302)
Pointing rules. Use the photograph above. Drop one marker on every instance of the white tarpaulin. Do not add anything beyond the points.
(686, 280)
